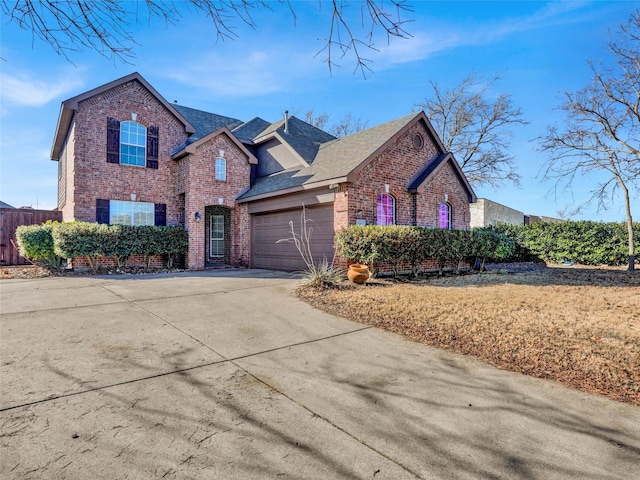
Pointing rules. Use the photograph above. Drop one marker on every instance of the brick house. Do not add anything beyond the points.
(126, 155)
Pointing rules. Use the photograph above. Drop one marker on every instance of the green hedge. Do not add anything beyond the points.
(401, 245)
(35, 243)
(584, 242)
(93, 240)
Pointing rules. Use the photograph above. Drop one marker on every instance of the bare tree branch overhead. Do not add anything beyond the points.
(106, 26)
(476, 129)
(601, 133)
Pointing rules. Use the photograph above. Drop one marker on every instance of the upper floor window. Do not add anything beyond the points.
(131, 213)
(444, 216)
(385, 210)
(133, 144)
(221, 169)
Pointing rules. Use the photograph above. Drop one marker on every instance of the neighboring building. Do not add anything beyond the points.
(126, 155)
(5, 205)
(484, 212)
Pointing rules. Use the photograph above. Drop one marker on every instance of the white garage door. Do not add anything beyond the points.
(268, 228)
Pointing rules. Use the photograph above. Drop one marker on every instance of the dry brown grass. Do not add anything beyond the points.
(580, 326)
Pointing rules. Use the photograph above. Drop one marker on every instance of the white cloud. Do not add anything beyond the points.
(239, 76)
(445, 36)
(22, 89)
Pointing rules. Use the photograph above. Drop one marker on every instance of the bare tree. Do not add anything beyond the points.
(72, 26)
(317, 120)
(348, 125)
(476, 129)
(601, 133)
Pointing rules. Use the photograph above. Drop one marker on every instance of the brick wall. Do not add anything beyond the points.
(94, 178)
(396, 166)
(196, 176)
(66, 177)
(440, 187)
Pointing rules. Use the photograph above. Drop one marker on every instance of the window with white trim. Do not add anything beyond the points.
(133, 144)
(131, 213)
(444, 216)
(385, 210)
(221, 169)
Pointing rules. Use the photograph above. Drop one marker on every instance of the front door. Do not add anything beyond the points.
(218, 235)
(216, 238)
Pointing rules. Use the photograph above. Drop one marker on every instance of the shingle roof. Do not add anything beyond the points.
(428, 169)
(5, 205)
(251, 129)
(335, 158)
(433, 165)
(205, 122)
(302, 137)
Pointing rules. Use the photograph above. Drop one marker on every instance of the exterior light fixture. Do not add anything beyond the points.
(197, 217)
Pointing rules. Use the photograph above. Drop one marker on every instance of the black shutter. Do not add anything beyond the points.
(102, 210)
(113, 140)
(160, 214)
(152, 147)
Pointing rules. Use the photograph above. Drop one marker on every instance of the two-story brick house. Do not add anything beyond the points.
(126, 155)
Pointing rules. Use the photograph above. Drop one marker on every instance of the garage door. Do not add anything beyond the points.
(268, 228)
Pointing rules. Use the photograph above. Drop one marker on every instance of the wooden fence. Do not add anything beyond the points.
(10, 219)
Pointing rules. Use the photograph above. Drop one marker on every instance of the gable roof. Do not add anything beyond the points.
(5, 205)
(434, 165)
(251, 129)
(191, 147)
(302, 138)
(69, 107)
(205, 122)
(338, 160)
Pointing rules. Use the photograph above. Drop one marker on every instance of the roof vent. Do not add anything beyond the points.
(286, 121)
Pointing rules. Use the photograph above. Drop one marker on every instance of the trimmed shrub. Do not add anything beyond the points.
(584, 242)
(81, 239)
(35, 243)
(119, 242)
(402, 245)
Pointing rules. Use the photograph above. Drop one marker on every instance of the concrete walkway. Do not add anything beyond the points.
(226, 375)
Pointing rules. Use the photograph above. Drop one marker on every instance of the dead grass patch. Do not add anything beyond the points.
(579, 326)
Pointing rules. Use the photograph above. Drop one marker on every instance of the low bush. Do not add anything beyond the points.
(401, 245)
(583, 242)
(49, 243)
(35, 243)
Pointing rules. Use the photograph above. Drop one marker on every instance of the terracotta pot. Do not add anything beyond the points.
(358, 273)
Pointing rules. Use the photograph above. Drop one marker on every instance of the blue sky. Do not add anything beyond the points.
(541, 48)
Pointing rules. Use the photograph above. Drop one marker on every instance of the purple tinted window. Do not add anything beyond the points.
(385, 210)
(444, 216)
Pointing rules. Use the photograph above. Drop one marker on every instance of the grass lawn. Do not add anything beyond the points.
(579, 326)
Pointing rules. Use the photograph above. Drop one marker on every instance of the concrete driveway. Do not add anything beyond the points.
(226, 375)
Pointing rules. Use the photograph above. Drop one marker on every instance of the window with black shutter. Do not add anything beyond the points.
(113, 140)
(102, 210)
(161, 214)
(152, 147)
